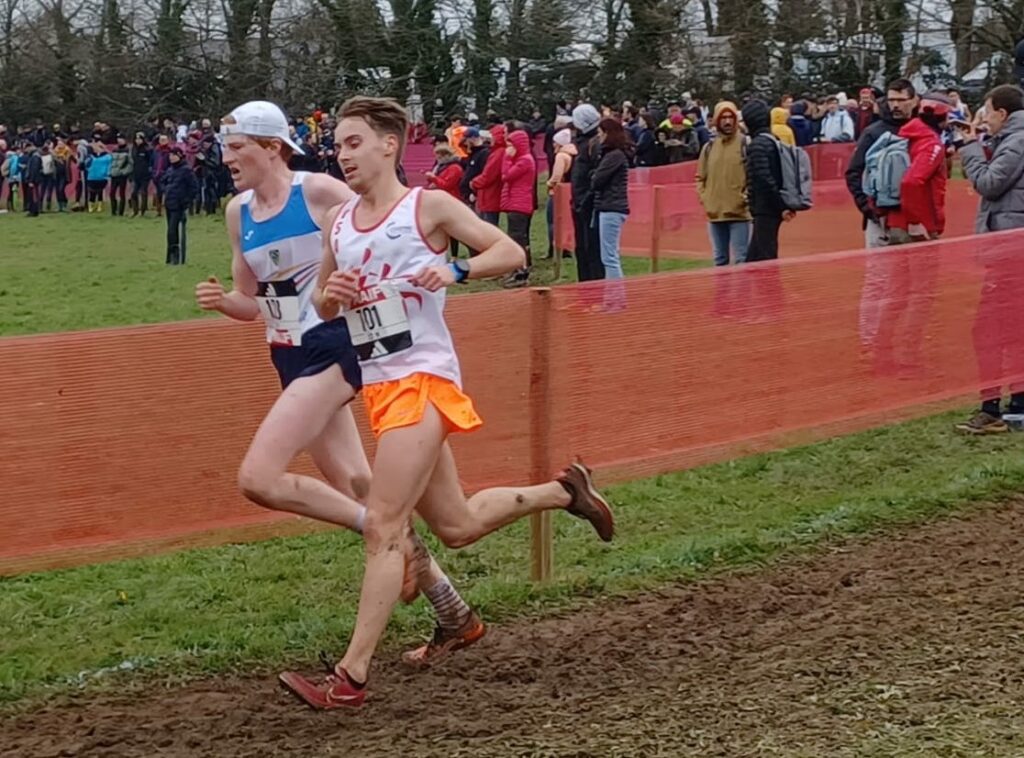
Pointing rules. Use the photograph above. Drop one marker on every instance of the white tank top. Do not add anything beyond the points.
(397, 329)
(284, 252)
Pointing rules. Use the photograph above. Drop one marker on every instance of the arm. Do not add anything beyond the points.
(702, 170)
(610, 163)
(557, 171)
(855, 175)
(240, 302)
(324, 193)
(443, 217)
(490, 175)
(914, 192)
(512, 169)
(993, 178)
(846, 125)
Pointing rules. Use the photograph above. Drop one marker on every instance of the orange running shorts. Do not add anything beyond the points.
(392, 405)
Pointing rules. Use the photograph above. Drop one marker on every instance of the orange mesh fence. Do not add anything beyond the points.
(122, 441)
(669, 221)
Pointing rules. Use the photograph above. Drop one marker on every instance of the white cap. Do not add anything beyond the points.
(562, 137)
(258, 118)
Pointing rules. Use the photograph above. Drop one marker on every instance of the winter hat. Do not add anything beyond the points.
(676, 119)
(562, 122)
(585, 118)
(756, 115)
(562, 138)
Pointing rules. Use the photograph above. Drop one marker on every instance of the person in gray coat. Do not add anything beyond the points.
(996, 170)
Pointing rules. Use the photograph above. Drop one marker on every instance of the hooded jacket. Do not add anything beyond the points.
(780, 128)
(721, 173)
(487, 186)
(855, 171)
(803, 129)
(923, 189)
(518, 176)
(999, 179)
(448, 177)
(764, 167)
(142, 158)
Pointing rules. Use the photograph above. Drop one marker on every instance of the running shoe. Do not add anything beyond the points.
(337, 690)
(983, 423)
(444, 643)
(587, 503)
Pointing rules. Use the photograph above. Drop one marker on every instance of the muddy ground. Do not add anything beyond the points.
(903, 645)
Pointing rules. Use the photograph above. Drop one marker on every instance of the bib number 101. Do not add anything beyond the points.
(370, 319)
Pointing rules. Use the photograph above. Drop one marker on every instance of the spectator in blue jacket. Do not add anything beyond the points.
(97, 174)
(179, 187)
(802, 128)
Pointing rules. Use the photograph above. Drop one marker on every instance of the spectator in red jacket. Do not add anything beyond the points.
(487, 186)
(447, 176)
(518, 198)
(922, 213)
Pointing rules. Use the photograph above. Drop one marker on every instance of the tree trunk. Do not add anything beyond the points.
(709, 17)
(264, 82)
(961, 34)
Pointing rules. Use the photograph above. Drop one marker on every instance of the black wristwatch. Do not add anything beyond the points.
(460, 267)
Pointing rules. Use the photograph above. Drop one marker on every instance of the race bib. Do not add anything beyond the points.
(279, 305)
(380, 326)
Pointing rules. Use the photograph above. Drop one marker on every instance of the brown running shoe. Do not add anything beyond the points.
(587, 503)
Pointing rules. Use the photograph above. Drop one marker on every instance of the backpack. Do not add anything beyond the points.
(797, 182)
(885, 163)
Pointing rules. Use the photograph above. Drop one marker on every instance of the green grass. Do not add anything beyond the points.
(80, 271)
(265, 604)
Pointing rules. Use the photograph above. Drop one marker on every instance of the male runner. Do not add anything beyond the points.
(276, 251)
(384, 268)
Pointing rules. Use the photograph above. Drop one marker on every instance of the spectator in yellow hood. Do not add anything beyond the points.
(780, 126)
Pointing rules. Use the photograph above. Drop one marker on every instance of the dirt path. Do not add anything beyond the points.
(907, 645)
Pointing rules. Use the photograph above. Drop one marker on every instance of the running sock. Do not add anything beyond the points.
(452, 611)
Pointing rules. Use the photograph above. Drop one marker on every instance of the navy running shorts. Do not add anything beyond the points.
(322, 346)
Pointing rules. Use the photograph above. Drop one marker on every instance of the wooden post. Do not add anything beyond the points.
(542, 546)
(656, 229)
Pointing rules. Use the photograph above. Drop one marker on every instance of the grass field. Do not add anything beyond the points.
(78, 271)
(263, 604)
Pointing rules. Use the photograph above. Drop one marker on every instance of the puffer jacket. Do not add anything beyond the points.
(923, 189)
(518, 176)
(120, 163)
(487, 186)
(999, 179)
(764, 167)
(98, 167)
(610, 181)
(179, 186)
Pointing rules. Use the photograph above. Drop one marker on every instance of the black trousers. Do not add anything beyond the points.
(177, 220)
(140, 195)
(118, 195)
(764, 241)
(32, 195)
(588, 245)
(519, 231)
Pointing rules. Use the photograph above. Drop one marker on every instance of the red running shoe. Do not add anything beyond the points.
(587, 503)
(444, 643)
(336, 691)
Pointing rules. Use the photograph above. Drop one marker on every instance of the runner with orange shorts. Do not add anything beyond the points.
(385, 274)
(277, 246)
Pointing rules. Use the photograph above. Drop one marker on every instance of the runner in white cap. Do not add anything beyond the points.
(276, 247)
(384, 268)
